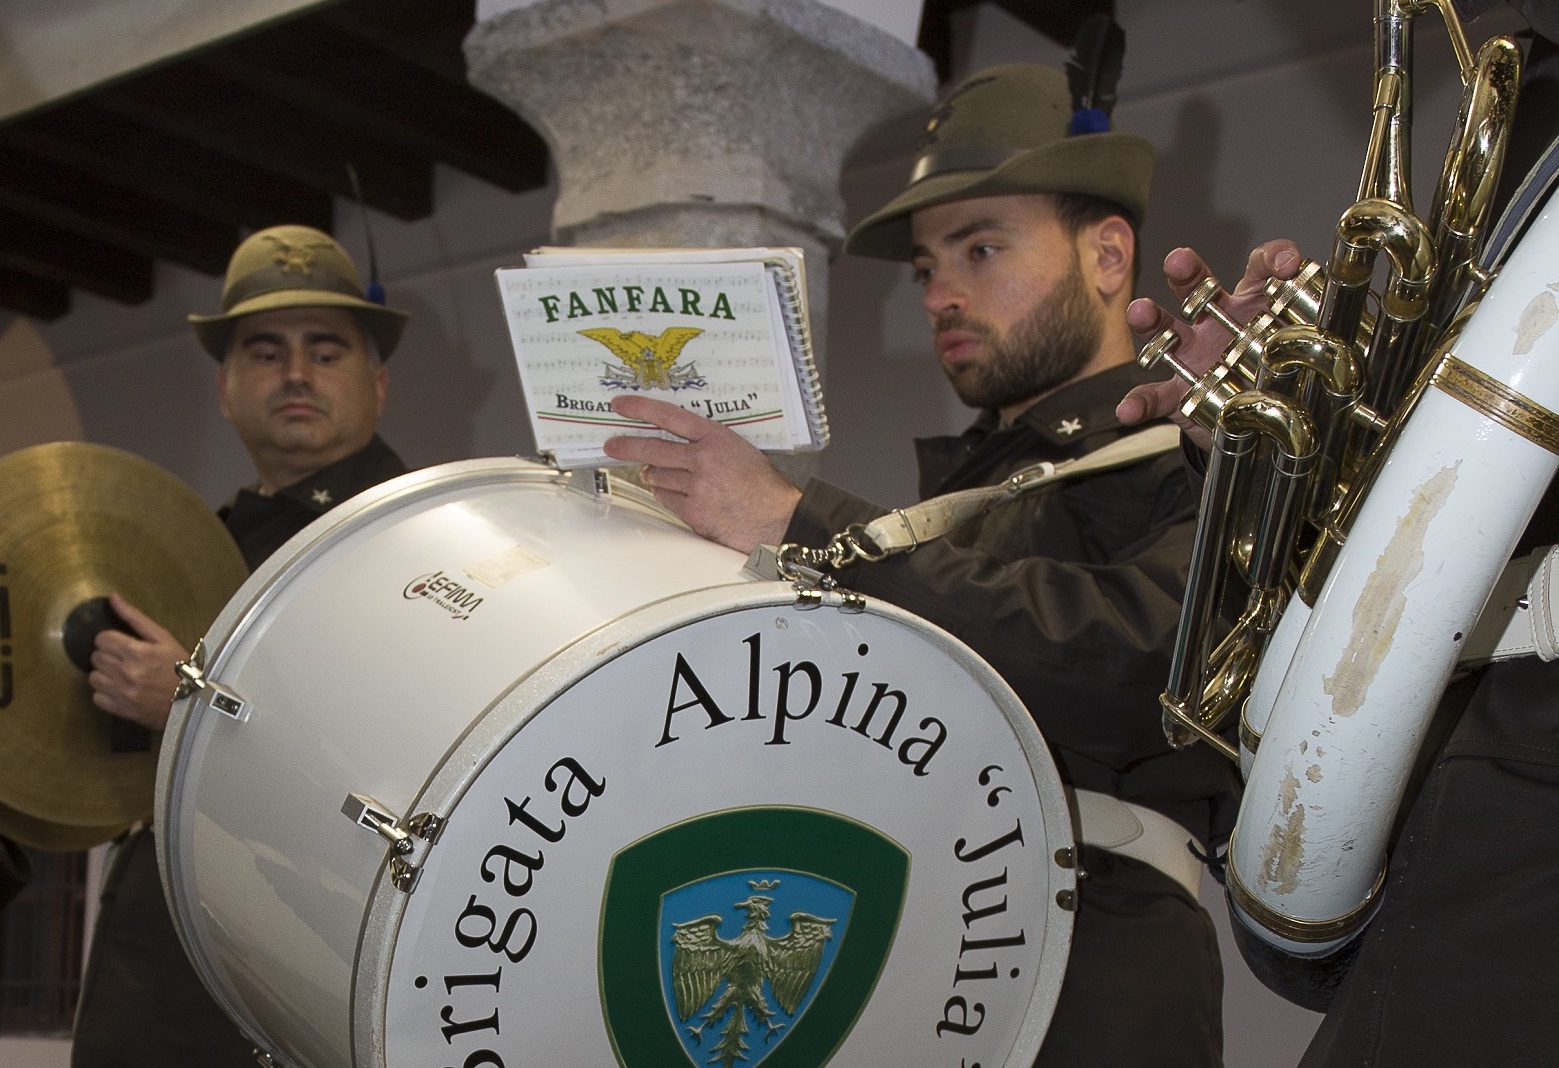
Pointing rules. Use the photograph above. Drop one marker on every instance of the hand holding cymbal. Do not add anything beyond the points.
(79, 522)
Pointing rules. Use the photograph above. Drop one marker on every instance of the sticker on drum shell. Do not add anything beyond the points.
(763, 837)
(500, 567)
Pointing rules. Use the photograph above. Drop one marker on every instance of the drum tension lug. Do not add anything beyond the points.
(427, 826)
(366, 812)
(192, 680)
(404, 875)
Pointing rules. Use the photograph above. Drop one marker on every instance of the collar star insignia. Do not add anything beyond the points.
(1067, 427)
(321, 496)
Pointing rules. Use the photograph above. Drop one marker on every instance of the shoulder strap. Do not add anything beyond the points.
(904, 528)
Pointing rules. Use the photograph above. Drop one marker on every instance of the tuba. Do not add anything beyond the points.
(1375, 458)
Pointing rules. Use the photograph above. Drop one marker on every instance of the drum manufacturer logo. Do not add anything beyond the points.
(770, 929)
(442, 590)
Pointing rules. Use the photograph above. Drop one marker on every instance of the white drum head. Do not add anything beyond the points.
(620, 848)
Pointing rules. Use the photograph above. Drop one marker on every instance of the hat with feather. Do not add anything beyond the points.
(1022, 128)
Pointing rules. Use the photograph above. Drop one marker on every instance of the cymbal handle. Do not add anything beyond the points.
(85, 622)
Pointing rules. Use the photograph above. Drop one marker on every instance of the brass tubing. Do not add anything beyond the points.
(1387, 174)
(1293, 436)
(1245, 419)
(1335, 368)
(1226, 469)
(1471, 172)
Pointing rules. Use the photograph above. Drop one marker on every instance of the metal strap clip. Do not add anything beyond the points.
(192, 680)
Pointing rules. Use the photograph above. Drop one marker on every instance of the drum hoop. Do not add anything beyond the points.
(549, 680)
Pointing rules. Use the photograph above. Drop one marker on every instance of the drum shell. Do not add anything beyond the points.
(362, 688)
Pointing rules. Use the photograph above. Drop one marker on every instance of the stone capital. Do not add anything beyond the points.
(650, 106)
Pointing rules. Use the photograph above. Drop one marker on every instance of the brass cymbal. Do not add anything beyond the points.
(78, 521)
(57, 837)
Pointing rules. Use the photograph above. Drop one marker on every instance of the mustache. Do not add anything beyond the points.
(296, 391)
(961, 322)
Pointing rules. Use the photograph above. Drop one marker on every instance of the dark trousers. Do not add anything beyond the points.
(1144, 983)
(142, 1006)
(1458, 966)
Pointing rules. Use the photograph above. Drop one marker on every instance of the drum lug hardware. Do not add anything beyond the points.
(427, 826)
(404, 875)
(192, 680)
(366, 812)
(850, 601)
(1066, 857)
(1067, 899)
(266, 1060)
(592, 482)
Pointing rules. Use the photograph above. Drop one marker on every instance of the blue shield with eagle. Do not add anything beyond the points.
(747, 936)
(743, 954)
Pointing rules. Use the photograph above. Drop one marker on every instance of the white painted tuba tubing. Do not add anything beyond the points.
(1377, 651)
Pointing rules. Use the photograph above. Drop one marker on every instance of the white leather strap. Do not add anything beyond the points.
(1522, 614)
(1134, 831)
(904, 528)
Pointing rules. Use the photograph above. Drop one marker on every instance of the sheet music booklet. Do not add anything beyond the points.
(721, 332)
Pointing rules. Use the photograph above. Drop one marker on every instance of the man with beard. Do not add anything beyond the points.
(1023, 236)
(303, 383)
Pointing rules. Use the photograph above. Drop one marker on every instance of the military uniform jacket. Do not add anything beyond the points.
(261, 525)
(1071, 593)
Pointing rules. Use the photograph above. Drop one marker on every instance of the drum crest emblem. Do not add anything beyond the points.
(748, 963)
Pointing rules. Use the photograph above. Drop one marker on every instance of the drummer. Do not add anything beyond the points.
(1023, 236)
(302, 379)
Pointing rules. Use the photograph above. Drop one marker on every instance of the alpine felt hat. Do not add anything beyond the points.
(294, 267)
(1005, 130)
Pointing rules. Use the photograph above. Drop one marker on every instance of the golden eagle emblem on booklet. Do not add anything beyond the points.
(648, 362)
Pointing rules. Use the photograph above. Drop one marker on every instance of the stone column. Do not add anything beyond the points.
(706, 123)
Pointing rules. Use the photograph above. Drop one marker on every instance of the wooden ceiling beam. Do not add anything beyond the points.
(428, 34)
(319, 69)
(204, 106)
(56, 255)
(28, 294)
(183, 173)
(77, 201)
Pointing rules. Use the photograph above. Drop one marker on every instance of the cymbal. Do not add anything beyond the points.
(56, 837)
(78, 521)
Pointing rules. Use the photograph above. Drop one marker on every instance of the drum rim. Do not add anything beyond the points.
(549, 680)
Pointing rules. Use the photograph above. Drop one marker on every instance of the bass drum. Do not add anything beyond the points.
(494, 765)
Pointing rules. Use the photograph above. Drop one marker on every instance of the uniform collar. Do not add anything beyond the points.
(1072, 421)
(1084, 408)
(345, 478)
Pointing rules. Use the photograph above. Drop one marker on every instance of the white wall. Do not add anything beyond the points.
(1259, 110)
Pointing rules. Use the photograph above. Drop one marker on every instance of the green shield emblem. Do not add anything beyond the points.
(746, 936)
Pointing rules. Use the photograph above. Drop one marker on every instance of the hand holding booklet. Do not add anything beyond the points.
(720, 332)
